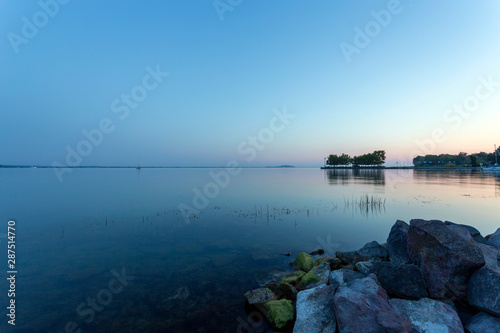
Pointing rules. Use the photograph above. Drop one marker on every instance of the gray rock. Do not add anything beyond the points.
(371, 251)
(475, 234)
(484, 285)
(341, 276)
(446, 259)
(494, 239)
(362, 306)
(286, 290)
(401, 281)
(322, 271)
(397, 243)
(483, 323)
(315, 311)
(484, 290)
(365, 267)
(428, 315)
(335, 263)
(259, 296)
(490, 256)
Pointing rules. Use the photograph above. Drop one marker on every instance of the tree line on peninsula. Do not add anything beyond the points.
(377, 158)
(450, 160)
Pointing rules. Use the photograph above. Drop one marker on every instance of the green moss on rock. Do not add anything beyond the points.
(279, 313)
(294, 277)
(310, 277)
(304, 261)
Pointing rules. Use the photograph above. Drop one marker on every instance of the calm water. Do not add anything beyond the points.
(75, 237)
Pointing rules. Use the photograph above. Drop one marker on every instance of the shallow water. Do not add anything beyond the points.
(73, 238)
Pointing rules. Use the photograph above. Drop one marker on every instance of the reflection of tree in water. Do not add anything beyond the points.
(466, 176)
(356, 175)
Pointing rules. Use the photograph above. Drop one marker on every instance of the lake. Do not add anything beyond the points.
(109, 250)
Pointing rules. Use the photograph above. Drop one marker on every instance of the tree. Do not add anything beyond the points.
(334, 159)
(375, 158)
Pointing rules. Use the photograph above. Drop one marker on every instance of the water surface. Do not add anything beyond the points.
(74, 237)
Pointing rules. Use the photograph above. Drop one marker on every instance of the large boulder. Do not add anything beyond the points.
(362, 306)
(315, 311)
(446, 259)
(397, 243)
(484, 285)
(371, 251)
(342, 276)
(401, 281)
(483, 323)
(484, 290)
(428, 315)
(474, 233)
(494, 239)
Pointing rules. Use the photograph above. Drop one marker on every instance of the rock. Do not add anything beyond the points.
(483, 323)
(490, 255)
(321, 260)
(374, 251)
(316, 252)
(342, 276)
(494, 239)
(287, 291)
(371, 251)
(397, 243)
(445, 258)
(365, 267)
(181, 294)
(309, 280)
(259, 296)
(279, 313)
(294, 277)
(362, 306)
(348, 257)
(428, 315)
(265, 278)
(484, 290)
(315, 311)
(304, 262)
(335, 263)
(475, 234)
(399, 280)
(322, 271)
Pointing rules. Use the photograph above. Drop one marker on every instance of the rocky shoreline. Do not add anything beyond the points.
(430, 276)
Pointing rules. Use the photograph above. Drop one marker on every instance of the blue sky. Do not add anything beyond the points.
(227, 78)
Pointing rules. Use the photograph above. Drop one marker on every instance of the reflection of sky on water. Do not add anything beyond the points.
(72, 234)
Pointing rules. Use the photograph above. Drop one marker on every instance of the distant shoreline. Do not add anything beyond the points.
(135, 167)
(244, 167)
(400, 167)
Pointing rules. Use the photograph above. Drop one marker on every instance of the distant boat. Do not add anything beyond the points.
(494, 167)
(139, 167)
